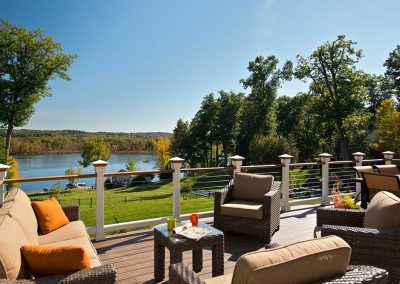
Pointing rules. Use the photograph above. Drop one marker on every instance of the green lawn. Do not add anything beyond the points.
(141, 202)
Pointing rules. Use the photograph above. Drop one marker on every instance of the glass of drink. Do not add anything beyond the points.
(171, 223)
(194, 218)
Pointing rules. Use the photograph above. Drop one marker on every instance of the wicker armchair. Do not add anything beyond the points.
(376, 247)
(104, 274)
(263, 228)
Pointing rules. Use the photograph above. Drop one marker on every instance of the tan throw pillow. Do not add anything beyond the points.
(303, 262)
(383, 211)
(251, 187)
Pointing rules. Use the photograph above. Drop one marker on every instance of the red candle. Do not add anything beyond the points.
(194, 218)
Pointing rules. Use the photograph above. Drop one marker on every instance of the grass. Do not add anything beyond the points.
(141, 202)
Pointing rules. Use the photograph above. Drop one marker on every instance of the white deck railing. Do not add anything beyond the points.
(322, 174)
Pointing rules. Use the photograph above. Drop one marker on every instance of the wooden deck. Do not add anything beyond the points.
(132, 253)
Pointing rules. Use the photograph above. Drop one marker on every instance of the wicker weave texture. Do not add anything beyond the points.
(263, 228)
(72, 212)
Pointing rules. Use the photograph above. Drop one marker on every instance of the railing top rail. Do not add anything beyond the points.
(304, 164)
(341, 162)
(33, 179)
(256, 167)
(373, 160)
(210, 169)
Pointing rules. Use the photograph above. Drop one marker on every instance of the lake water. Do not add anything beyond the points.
(55, 165)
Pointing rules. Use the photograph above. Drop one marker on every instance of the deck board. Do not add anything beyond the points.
(132, 253)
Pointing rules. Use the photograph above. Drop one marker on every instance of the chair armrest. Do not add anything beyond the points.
(341, 217)
(271, 203)
(224, 194)
(72, 212)
(105, 274)
(180, 273)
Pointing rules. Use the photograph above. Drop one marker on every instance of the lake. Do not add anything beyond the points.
(55, 165)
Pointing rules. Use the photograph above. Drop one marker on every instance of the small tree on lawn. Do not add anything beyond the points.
(93, 149)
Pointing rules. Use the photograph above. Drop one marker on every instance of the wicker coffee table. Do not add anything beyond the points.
(177, 245)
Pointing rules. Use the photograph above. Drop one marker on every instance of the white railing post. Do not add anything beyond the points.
(358, 157)
(100, 168)
(236, 163)
(285, 160)
(3, 174)
(388, 156)
(325, 158)
(176, 164)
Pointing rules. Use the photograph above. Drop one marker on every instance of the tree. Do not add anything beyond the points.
(388, 127)
(94, 148)
(336, 83)
(72, 172)
(13, 172)
(227, 122)
(392, 65)
(378, 89)
(28, 61)
(130, 165)
(267, 149)
(259, 115)
(181, 145)
(161, 147)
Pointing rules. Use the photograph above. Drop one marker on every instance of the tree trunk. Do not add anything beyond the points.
(8, 139)
(343, 146)
(211, 155)
(216, 156)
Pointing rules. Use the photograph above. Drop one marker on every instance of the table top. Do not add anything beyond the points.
(163, 229)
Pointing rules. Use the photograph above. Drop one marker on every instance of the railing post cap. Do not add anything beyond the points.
(325, 155)
(285, 156)
(358, 154)
(388, 153)
(176, 160)
(4, 168)
(99, 163)
(237, 158)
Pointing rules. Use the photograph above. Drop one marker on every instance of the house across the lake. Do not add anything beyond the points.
(124, 180)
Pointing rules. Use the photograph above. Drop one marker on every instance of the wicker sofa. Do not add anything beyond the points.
(370, 246)
(18, 227)
(263, 223)
(315, 261)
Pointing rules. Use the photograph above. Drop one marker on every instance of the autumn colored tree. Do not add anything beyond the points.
(388, 127)
(162, 149)
(13, 172)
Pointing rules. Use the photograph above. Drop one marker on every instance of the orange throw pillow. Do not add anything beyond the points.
(52, 260)
(50, 215)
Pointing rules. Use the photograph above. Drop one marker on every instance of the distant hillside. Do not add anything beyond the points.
(30, 142)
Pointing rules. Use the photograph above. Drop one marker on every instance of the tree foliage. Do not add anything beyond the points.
(13, 172)
(392, 65)
(28, 61)
(130, 165)
(72, 172)
(162, 149)
(388, 127)
(93, 149)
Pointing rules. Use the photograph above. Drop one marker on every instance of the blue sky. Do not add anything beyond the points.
(144, 64)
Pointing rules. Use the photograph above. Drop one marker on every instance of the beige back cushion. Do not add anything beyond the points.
(251, 187)
(364, 169)
(383, 211)
(388, 169)
(12, 265)
(303, 262)
(18, 206)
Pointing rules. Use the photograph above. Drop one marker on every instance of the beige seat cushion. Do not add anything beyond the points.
(243, 209)
(383, 211)
(72, 230)
(251, 187)
(86, 244)
(18, 206)
(223, 279)
(12, 237)
(303, 262)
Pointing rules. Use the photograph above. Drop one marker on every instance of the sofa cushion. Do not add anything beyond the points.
(50, 215)
(53, 260)
(251, 187)
(18, 206)
(303, 262)
(12, 265)
(222, 279)
(383, 211)
(83, 242)
(243, 209)
(388, 169)
(72, 230)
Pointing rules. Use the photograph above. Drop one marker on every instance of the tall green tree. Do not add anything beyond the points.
(28, 61)
(94, 148)
(259, 115)
(181, 145)
(392, 65)
(130, 165)
(227, 124)
(388, 127)
(336, 83)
